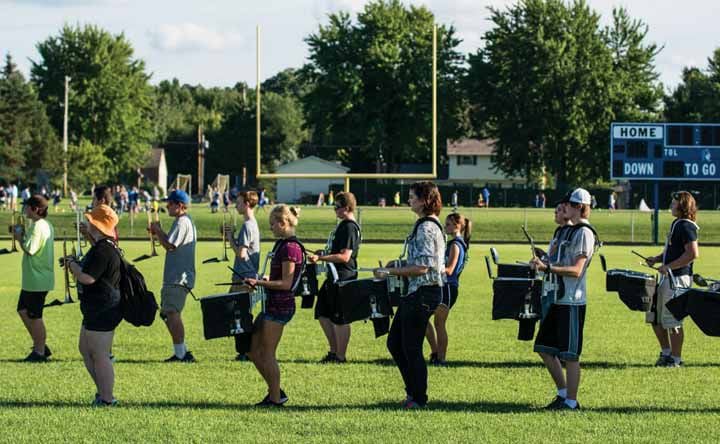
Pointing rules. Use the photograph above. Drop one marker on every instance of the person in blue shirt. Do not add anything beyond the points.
(456, 254)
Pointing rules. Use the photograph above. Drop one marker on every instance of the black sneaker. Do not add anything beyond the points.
(243, 357)
(338, 360)
(267, 402)
(556, 404)
(663, 360)
(329, 358)
(35, 357)
(433, 359)
(100, 403)
(567, 408)
(672, 364)
(173, 358)
(48, 353)
(188, 358)
(283, 397)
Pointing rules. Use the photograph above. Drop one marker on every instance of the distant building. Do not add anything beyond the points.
(155, 169)
(470, 162)
(292, 190)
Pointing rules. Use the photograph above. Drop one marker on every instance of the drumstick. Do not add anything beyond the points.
(639, 255)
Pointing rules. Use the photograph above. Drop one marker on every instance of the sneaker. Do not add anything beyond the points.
(672, 364)
(329, 358)
(188, 358)
(100, 403)
(283, 397)
(338, 360)
(411, 405)
(556, 404)
(567, 408)
(243, 357)
(663, 360)
(35, 357)
(433, 359)
(48, 353)
(267, 402)
(173, 358)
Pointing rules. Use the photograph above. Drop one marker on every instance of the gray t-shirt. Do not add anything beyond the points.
(427, 248)
(180, 263)
(249, 237)
(582, 243)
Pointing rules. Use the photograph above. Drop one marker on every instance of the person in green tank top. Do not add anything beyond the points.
(38, 275)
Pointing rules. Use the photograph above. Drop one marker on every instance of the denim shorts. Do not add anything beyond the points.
(279, 318)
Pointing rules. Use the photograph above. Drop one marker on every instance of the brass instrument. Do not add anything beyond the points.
(80, 238)
(11, 229)
(68, 280)
(226, 245)
(155, 217)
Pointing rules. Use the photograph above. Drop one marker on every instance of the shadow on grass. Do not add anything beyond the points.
(434, 406)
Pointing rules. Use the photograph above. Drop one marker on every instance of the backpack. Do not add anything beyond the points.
(137, 303)
(307, 276)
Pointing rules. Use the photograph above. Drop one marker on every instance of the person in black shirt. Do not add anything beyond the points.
(681, 249)
(98, 277)
(343, 258)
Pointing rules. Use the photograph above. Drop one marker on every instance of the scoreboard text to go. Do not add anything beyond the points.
(665, 151)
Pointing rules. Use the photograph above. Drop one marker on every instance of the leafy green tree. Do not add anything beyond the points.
(95, 165)
(27, 141)
(371, 84)
(550, 81)
(697, 97)
(110, 99)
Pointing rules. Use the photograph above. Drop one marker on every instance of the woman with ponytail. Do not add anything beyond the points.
(285, 269)
(456, 254)
(38, 276)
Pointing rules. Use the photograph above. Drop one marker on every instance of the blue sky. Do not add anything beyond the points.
(212, 42)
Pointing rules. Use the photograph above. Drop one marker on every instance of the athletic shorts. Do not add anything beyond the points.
(561, 332)
(33, 302)
(449, 295)
(104, 320)
(325, 304)
(662, 316)
(172, 298)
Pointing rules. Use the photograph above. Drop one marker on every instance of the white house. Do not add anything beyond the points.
(155, 169)
(291, 190)
(470, 162)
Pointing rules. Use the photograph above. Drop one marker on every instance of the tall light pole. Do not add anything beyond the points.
(65, 138)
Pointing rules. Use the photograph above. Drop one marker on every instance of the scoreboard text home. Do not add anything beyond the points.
(665, 151)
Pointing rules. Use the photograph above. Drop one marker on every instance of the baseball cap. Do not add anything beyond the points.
(179, 196)
(104, 219)
(578, 195)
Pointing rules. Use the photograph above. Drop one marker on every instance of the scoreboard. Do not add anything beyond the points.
(665, 151)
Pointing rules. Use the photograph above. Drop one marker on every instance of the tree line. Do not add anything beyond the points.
(546, 85)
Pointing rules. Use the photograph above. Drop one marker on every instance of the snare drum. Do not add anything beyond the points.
(636, 289)
(516, 298)
(226, 314)
(361, 299)
(397, 286)
(703, 306)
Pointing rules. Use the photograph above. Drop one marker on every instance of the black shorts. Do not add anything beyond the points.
(105, 320)
(561, 332)
(33, 302)
(449, 295)
(325, 305)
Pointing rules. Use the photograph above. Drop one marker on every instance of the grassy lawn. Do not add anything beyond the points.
(489, 393)
(494, 224)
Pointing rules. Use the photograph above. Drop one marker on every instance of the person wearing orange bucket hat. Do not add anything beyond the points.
(98, 277)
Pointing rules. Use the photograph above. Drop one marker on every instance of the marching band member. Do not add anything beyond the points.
(285, 270)
(38, 277)
(343, 255)
(560, 336)
(681, 249)
(456, 254)
(425, 269)
(247, 244)
(179, 272)
(98, 278)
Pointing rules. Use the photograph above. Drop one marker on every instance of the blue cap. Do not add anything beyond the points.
(179, 196)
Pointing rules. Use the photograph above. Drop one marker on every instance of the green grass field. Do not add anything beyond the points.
(489, 393)
(494, 224)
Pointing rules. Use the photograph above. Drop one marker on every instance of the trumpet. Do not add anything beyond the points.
(69, 283)
(226, 244)
(155, 217)
(80, 238)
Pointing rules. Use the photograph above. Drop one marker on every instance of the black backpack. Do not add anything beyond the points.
(137, 303)
(306, 281)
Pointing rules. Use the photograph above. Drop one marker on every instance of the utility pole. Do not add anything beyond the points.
(202, 146)
(65, 139)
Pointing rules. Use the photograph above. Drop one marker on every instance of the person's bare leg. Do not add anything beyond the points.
(327, 328)
(271, 339)
(662, 336)
(441, 315)
(36, 329)
(555, 369)
(677, 337)
(175, 326)
(573, 379)
(85, 353)
(342, 336)
(99, 344)
(431, 338)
